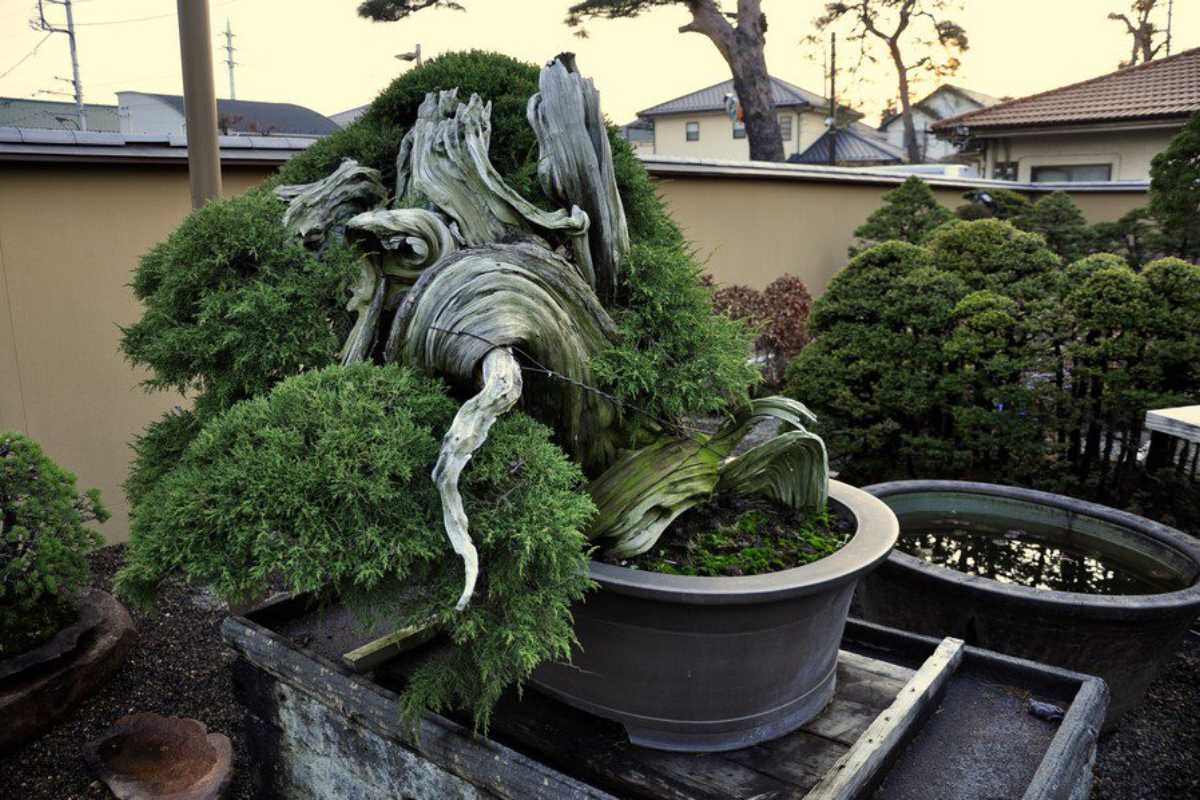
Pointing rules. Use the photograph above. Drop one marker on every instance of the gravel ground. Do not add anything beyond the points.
(1155, 754)
(180, 667)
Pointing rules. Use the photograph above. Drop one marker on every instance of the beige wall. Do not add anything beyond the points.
(1128, 152)
(69, 236)
(716, 135)
(751, 231)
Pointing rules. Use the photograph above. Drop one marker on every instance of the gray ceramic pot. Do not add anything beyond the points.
(705, 664)
(1122, 638)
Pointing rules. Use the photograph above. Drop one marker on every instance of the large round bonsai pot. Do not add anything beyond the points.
(704, 664)
(1123, 638)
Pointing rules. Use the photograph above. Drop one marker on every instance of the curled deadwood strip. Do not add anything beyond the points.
(318, 211)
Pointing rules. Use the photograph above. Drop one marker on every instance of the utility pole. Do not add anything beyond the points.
(41, 23)
(229, 48)
(199, 100)
(833, 99)
(1170, 14)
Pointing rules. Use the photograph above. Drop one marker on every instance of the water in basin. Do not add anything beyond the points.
(1039, 557)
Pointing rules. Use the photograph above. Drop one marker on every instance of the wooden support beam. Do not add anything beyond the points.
(855, 773)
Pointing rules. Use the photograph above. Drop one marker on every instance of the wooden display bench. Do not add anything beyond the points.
(912, 718)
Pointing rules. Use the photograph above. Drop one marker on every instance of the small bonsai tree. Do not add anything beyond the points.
(1060, 222)
(43, 543)
(909, 212)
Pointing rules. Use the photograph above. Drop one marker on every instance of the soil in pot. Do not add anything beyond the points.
(734, 535)
(1036, 556)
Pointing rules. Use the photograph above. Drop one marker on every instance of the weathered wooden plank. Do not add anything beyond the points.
(857, 770)
(451, 746)
(1066, 770)
(378, 652)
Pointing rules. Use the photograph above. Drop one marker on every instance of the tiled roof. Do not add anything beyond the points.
(712, 98)
(254, 116)
(853, 144)
(1163, 88)
(16, 112)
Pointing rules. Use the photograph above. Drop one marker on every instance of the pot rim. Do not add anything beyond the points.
(875, 534)
(1128, 605)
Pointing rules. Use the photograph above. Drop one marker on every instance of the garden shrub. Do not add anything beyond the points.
(1057, 219)
(780, 315)
(1135, 236)
(1003, 204)
(979, 355)
(43, 544)
(908, 213)
(1175, 191)
(324, 484)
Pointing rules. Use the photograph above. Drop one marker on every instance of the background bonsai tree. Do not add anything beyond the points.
(1057, 219)
(779, 313)
(43, 544)
(908, 213)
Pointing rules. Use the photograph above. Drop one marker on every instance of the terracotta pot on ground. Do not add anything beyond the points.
(152, 757)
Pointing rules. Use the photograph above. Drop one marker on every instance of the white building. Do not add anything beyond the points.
(942, 103)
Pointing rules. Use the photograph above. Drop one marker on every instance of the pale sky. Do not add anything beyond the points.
(319, 54)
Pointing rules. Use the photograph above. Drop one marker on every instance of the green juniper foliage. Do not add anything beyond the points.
(324, 484)
(43, 543)
(980, 355)
(1005, 204)
(1175, 191)
(1057, 219)
(908, 213)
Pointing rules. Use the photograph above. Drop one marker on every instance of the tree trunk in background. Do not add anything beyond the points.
(742, 49)
(753, 87)
(911, 148)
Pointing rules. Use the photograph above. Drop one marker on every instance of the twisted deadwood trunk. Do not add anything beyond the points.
(484, 286)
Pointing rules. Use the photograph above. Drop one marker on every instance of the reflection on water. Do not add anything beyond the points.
(1038, 560)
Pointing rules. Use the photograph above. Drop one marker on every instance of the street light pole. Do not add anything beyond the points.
(199, 101)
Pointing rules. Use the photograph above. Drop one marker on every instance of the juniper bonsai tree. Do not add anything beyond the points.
(442, 502)
(43, 543)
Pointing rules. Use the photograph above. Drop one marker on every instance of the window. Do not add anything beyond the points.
(1071, 173)
(693, 131)
(785, 127)
(739, 129)
(1005, 171)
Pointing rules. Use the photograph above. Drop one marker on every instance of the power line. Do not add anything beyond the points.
(229, 49)
(41, 23)
(26, 57)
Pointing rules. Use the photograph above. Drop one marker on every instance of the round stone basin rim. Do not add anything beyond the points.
(1077, 602)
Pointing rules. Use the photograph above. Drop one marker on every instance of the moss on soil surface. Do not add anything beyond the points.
(733, 535)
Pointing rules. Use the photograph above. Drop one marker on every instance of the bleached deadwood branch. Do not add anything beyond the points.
(467, 433)
(318, 211)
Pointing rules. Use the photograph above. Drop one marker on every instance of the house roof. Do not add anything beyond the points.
(855, 143)
(1163, 88)
(344, 118)
(640, 130)
(978, 98)
(17, 112)
(712, 98)
(255, 116)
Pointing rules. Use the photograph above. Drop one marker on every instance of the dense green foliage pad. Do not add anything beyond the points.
(323, 484)
(43, 543)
